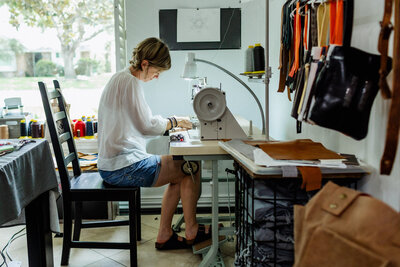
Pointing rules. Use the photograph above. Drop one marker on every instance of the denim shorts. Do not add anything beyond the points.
(143, 173)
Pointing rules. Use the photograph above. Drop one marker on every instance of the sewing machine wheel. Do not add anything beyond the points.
(190, 167)
(209, 104)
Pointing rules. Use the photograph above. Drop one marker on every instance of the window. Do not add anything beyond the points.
(80, 54)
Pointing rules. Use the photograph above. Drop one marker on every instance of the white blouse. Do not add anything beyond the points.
(124, 121)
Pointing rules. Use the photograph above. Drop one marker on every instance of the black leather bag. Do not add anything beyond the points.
(345, 91)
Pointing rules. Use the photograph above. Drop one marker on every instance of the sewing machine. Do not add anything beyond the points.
(215, 119)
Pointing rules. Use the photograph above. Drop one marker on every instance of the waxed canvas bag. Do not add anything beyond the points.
(343, 227)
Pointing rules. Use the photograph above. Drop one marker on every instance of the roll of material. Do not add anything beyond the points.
(249, 59)
(259, 58)
(4, 132)
(24, 129)
(89, 127)
(35, 129)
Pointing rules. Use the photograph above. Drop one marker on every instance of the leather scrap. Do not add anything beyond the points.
(312, 177)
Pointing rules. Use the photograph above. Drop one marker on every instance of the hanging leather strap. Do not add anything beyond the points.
(336, 22)
(392, 133)
(305, 32)
(297, 41)
(284, 54)
(323, 23)
(312, 178)
(383, 44)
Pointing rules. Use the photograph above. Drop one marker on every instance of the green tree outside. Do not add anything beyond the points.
(75, 21)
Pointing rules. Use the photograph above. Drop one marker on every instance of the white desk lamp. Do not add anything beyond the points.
(190, 71)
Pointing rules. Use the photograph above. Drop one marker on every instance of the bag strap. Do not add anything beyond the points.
(323, 24)
(392, 133)
(383, 44)
(297, 41)
(348, 14)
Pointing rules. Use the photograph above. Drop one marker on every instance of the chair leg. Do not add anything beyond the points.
(67, 233)
(77, 221)
(133, 229)
(138, 212)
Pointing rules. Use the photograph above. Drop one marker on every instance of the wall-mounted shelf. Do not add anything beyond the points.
(255, 77)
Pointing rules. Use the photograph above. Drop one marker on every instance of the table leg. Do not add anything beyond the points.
(39, 239)
(211, 255)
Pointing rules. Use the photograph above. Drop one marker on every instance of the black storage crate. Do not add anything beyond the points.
(264, 217)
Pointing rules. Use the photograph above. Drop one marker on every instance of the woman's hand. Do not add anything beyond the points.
(184, 122)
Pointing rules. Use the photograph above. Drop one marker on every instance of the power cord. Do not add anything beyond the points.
(5, 248)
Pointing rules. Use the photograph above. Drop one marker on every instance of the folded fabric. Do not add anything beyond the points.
(283, 190)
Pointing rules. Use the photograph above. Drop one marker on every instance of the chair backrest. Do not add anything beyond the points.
(60, 132)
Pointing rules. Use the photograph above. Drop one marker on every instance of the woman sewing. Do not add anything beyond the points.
(124, 120)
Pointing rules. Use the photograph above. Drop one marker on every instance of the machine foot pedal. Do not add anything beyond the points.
(203, 247)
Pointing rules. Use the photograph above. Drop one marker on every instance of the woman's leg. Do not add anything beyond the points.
(180, 186)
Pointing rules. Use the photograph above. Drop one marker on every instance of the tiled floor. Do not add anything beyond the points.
(147, 254)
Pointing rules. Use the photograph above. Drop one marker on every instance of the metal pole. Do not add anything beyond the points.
(267, 69)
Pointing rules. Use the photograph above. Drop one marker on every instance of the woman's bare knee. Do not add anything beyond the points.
(170, 171)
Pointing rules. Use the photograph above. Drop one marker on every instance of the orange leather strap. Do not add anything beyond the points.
(392, 133)
(305, 33)
(383, 44)
(297, 40)
(336, 22)
(311, 176)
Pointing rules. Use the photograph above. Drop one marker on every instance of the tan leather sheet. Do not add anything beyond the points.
(301, 149)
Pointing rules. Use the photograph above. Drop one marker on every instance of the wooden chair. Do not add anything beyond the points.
(84, 186)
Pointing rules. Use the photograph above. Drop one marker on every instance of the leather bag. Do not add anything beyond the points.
(343, 227)
(345, 90)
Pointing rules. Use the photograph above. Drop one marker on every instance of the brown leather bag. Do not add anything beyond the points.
(343, 227)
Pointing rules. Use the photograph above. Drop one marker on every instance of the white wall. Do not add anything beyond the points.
(169, 95)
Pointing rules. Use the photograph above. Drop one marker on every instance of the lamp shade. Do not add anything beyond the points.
(190, 70)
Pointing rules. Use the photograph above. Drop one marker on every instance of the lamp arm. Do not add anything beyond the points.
(242, 83)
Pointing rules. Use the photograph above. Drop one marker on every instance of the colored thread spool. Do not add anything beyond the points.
(83, 118)
(259, 58)
(24, 130)
(95, 126)
(42, 131)
(35, 129)
(248, 59)
(30, 128)
(89, 128)
(4, 132)
(80, 125)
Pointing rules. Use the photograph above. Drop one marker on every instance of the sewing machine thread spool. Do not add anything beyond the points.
(89, 128)
(249, 59)
(259, 60)
(30, 128)
(35, 129)
(42, 131)
(4, 132)
(81, 127)
(24, 131)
